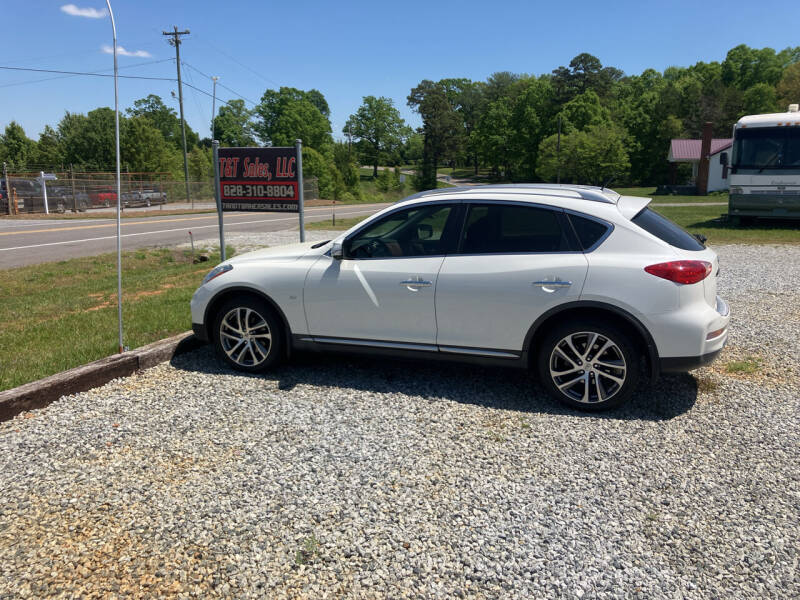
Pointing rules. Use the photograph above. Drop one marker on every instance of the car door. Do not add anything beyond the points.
(383, 288)
(514, 262)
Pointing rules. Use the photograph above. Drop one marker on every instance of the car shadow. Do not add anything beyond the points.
(498, 388)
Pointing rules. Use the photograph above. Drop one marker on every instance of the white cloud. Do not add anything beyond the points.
(122, 52)
(91, 13)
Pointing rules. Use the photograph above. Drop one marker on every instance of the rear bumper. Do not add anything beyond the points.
(200, 331)
(681, 364)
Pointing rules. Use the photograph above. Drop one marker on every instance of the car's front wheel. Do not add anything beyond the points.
(588, 365)
(247, 335)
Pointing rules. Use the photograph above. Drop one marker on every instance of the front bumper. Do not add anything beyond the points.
(681, 364)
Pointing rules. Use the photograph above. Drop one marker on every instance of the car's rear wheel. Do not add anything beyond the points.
(588, 365)
(247, 335)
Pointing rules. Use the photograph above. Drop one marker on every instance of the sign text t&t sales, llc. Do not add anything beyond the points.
(259, 179)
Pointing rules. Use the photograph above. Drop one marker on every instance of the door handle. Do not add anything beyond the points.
(416, 283)
(553, 284)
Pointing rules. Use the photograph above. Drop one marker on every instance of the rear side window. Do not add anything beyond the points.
(666, 230)
(498, 228)
(589, 231)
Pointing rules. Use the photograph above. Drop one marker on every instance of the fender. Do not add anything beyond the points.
(650, 345)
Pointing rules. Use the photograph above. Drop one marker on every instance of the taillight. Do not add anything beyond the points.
(681, 271)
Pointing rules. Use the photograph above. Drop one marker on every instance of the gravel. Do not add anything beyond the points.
(246, 242)
(337, 477)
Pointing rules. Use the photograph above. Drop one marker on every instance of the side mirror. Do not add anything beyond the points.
(337, 251)
(723, 159)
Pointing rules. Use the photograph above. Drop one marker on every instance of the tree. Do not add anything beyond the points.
(378, 127)
(531, 116)
(233, 126)
(494, 134)
(759, 99)
(788, 87)
(584, 111)
(144, 149)
(289, 114)
(440, 128)
(16, 148)
(588, 157)
(48, 153)
(200, 168)
(165, 119)
(88, 140)
(744, 67)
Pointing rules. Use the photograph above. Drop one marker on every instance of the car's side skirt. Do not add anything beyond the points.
(413, 351)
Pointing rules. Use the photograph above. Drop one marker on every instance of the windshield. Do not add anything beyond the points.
(766, 149)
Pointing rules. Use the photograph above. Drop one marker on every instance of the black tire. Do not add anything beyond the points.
(255, 325)
(605, 381)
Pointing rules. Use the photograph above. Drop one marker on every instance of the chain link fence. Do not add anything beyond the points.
(80, 192)
(76, 191)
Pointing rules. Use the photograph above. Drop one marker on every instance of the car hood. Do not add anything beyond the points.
(286, 253)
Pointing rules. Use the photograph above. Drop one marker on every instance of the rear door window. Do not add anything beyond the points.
(666, 230)
(509, 228)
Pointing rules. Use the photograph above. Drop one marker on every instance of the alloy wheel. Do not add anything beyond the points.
(245, 336)
(588, 367)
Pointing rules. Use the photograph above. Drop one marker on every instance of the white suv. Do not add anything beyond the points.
(590, 288)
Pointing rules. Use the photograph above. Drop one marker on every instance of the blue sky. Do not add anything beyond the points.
(350, 49)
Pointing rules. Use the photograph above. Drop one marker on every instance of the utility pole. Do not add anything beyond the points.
(213, 106)
(176, 41)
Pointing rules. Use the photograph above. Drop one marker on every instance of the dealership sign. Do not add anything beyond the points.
(259, 179)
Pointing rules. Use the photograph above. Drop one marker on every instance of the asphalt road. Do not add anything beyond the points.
(27, 242)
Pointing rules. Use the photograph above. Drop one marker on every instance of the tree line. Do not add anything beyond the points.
(612, 125)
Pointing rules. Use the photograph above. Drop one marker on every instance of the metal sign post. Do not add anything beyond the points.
(261, 180)
(8, 189)
(218, 196)
(300, 191)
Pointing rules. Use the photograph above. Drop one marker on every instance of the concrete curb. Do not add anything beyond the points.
(39, 394)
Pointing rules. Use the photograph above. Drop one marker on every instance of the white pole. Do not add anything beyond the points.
(119, 186)
(44, 192)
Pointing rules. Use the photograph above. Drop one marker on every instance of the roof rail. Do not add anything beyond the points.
(586, 192)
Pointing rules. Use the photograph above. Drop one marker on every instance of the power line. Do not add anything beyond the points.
(238, 62)
(83, 73)
(234, 92)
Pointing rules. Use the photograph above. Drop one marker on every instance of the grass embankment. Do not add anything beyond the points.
(59, 315)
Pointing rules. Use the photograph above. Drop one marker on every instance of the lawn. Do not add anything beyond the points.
(708, 221)
(63, 314)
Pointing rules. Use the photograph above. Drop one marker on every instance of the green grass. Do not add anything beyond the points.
(708, 221)
(748, 366)
(64, 314)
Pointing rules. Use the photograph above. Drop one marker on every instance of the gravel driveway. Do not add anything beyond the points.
(336, 477)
